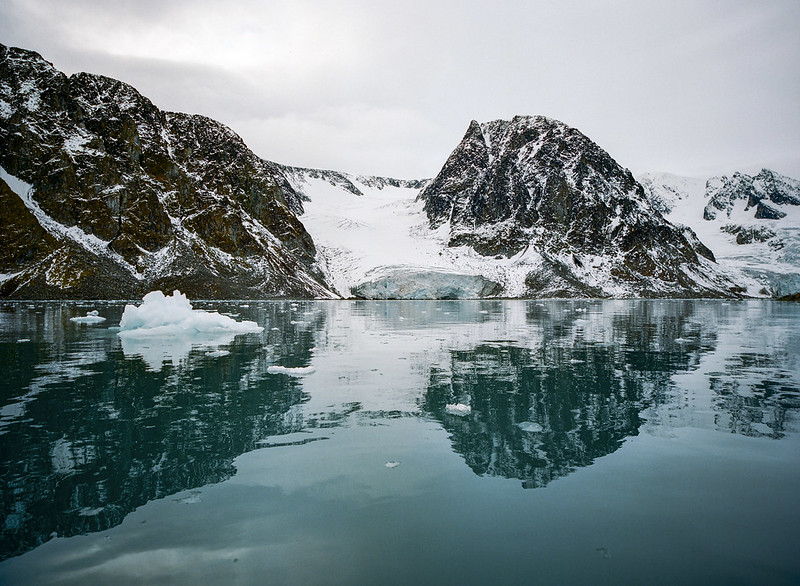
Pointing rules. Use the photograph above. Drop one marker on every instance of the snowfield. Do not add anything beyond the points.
(765, 252)
(379, 244)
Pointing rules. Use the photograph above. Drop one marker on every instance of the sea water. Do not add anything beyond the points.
(430, 442)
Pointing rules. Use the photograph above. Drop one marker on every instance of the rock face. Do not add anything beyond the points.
(751, 222)
(765, 193)
(106, 196)
(536, 185)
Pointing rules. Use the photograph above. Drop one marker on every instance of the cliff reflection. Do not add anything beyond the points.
(581, 381)
(97, 435)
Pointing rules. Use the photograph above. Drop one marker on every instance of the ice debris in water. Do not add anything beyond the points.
(91, 317)
(169, 315)
(301, 371)
(530, 426)
(217, 353)
(458, 409)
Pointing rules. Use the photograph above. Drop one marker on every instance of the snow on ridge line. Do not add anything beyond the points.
(170, 315)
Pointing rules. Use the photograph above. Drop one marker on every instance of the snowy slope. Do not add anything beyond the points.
(374, 240)
(723, 211)
(381, 240)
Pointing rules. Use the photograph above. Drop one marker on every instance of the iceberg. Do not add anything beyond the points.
(91, 317)
(458, 409)
(166, 328)
(170, 315)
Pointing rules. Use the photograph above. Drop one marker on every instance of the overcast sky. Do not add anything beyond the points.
(389, 87)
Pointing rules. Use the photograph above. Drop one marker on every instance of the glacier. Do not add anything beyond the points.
(763, 252)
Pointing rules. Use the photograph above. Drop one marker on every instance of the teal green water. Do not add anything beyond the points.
(618, 442)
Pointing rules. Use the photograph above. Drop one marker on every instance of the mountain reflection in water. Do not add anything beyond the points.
(91, 430)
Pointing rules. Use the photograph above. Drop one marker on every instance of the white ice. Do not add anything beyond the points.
(458, 409)
(170, 315)
(91, 317)
(300, 371)
(165, 328)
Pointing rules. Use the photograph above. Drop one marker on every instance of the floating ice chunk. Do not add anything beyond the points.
(301, 371)
(91, 317)
(169, 315)
(530, 426)
(217, 353)
(458, 409)
(167, 328)
(392, 464)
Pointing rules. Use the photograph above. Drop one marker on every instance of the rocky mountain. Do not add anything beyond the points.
(533, 188)
(751, 222)
(107, 196)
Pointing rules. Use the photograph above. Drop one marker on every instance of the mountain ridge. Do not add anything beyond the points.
(534, 182)
(170, 200)
(109, 197)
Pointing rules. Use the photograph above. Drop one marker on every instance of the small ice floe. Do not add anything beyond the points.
(300, 371)
(392, 464)
(191, 499)
(217, 353)
(458, 409)
(530, 426)
(165, 328)
(91, 317)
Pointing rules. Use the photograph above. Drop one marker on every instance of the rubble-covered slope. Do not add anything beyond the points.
(541, 193)
(107, 196)
(752, 223)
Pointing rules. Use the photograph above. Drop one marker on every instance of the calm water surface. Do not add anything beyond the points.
(619, 442)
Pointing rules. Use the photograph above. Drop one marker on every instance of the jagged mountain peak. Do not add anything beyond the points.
(534, 183)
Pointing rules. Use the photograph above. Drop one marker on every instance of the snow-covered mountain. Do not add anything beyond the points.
(752, 223)
(539, 195)
(104, 195)
(526, 208)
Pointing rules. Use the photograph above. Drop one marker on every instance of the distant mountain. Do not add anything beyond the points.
(751, 222)
(535, 189)
(106, 196)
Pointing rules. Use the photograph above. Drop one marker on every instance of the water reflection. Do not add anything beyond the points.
(91, 429)
(95, 435)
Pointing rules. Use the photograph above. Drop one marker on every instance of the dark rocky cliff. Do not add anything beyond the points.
(535, 184)
(106, 196)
